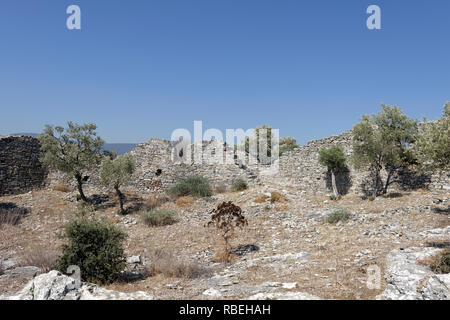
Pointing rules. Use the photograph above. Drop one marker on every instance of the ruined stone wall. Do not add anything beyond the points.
(160, 164)
(301, 169)
(20, 168)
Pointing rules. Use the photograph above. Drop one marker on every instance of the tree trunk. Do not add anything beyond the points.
(333, 183)
(377, 178)
(388, 181)
(80, 187)
(121, 198)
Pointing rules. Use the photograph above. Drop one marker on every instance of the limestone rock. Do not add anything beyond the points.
(409, 280)
(56, 286)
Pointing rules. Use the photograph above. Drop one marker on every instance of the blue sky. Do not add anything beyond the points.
(140, 69)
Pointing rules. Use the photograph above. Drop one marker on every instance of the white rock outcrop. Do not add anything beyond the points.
(408, 280)
(56, 286)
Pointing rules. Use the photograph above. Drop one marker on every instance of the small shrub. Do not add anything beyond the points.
(239, 185)
(277, 197)
(192, 186)
(171, 266)
(442, 262)
(43, 258)
(334, 198)
(184, 202)
(62, 187)
(226, 218)
(337, 215)
(371, 198)
(96, 247)
(2, 269)
(159, 217)
(84, 209)
(11, 214)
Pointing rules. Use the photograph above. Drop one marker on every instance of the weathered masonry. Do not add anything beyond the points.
(20, 168)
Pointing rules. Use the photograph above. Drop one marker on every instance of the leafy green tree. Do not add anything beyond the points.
(73, 150)
(287, 144)
(334, 158)
(383, 140)
(260, 144)
(116, 172)
(433, 142)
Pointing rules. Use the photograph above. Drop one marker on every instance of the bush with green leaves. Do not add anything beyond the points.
(96, 247)
(192, 186)
(73, 150)
(158, 217)
(287, 144)
(333, 158)
(116, 172)
(239, 185)
(383, 140)
(339, 214)
(433, 142)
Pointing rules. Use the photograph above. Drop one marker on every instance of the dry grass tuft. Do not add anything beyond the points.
(11, 214)
(277, 197)
(439, 263)
(158, 217)
(220, 189)
(261, 199)
(62, 187)
(43, 258)
(155, 201)
(283, 207)
(185, 202)
(173, 267)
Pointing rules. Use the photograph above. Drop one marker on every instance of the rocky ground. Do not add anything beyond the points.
(288, 250)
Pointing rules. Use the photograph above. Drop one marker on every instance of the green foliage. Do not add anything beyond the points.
(239, 185)
(382, 141)
(287, 144)
(442, 263)
(255, 141)
(96, 247)
(433, 142)
(72, 150)
(193, 186)
(337, 215)
(118, 171)
(333, 157)
(159, 217)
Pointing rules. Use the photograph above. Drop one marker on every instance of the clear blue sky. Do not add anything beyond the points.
(142, 68)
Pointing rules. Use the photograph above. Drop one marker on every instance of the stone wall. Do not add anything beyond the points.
(160, 164)
(20, 168)
(159, 167)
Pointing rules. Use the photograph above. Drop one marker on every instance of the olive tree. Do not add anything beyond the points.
(383, 141)
(433, 142)
(116, 172)
(287, 144)
(73, 150)
(334, 158)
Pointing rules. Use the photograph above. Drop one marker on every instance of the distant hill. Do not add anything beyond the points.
(119, 148)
